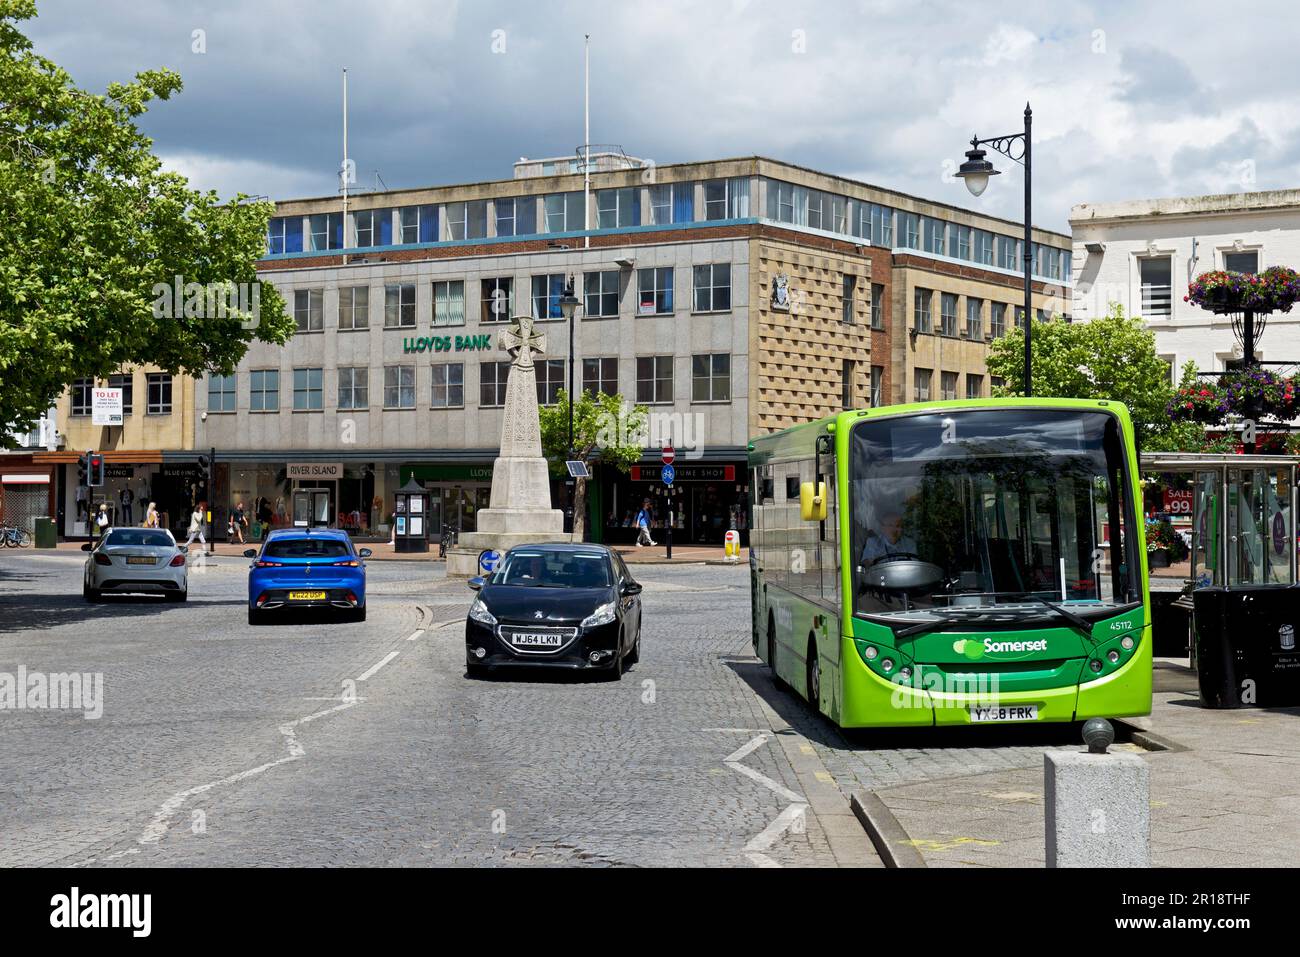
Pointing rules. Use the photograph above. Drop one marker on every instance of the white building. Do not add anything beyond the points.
(1143, 254)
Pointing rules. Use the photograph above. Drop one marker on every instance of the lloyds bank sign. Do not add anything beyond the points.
(446, 343)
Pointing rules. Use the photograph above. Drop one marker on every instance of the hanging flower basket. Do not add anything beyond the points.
(1257, 392)
(1202, 402)
(1276, 289)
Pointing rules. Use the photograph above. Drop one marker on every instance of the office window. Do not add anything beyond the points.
(711, 377)
(672, 203)
(399, 387)
(959, 242)
(492, 383)
(517, 217)
(550, 380)
(654, 379)
(467, 220)
(284, 235)
(374, 227)
(1157, 284)
(948, 314)
(997, 320)
(497, 299)
(948, 385)
(1247, 262)
(264, 390)
(974, 386)
(448, 385)
(909, 231)
(81, 396)
(221, 393)
(839, 222)
(547, 292)
(877, 306)
(618, 208)
(876, 224)
(308, 393)
(715, 199)
(818, 209)
(325, 231)
(921, 385)
(781, 201)
(564, 212)
(654, 290)
(449, 303)
(419, 224)
(600, 376)
(159, 393)
(921, 299)
(738, 197)
(996, 383)
(846, 298)
(309, 310)
(712, 288)
(1008, 250)
(983, 247)
(354, 307)
(932, 235)
(127, 384)
(1020, 317)
(399, 306)
(354, 388)
(600, 290)
(846, 384)
(877, 386)
(974, 318)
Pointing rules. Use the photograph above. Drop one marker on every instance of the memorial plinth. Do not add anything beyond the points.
(520, 509)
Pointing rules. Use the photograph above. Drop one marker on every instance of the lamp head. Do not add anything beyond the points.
(976, 171)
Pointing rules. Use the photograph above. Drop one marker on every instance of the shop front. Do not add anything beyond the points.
(457, 493)
(131, 482)
(27, 491)
(706, 500)
(279, 495)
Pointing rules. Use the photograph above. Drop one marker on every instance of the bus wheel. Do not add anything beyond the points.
(814, 675)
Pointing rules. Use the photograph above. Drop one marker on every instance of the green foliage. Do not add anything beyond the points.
(1113, 357)
(92, 223)
(604, 430)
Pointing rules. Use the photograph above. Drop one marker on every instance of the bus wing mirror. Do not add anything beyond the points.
(812, 501)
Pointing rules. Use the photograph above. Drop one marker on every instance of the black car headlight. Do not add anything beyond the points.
(601, 616)
(479, 612)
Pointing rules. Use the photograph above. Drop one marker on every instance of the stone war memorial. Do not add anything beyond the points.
(520, 506)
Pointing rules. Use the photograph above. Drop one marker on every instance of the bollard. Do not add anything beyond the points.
(1097, 805)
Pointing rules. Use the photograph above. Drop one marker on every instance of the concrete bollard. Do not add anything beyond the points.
(1097, 809)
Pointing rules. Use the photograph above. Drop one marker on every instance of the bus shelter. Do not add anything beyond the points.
(1239, 579)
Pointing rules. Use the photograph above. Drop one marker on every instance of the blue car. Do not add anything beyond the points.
(301, 568)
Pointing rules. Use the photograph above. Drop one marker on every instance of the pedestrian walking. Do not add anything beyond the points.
(127, 498)
(102, 520)
(238, 522)
(643, 518)
(151, 519)
(196, 525)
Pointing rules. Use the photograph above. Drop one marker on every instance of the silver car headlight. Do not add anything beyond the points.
(601, 616)
(479, 612)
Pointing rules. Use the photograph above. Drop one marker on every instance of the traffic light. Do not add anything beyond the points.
(95, 468)
(81, 468)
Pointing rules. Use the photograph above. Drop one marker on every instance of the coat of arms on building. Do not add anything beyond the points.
(781, 292)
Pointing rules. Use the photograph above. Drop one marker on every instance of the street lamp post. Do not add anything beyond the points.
(569, 304)
(976, 172)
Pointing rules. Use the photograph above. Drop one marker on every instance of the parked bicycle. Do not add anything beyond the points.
(15, 537)
(447, 538)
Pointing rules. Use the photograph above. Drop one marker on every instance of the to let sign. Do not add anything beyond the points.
(106, 406)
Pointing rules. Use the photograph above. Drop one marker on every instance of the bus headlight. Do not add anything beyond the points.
(1127, 642)
(886, 665)
(871, 651)
(1113, 656)
(1095, 665)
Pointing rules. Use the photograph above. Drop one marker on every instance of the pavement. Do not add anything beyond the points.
(1226, 792)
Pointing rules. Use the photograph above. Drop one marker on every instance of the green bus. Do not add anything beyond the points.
(954, 563)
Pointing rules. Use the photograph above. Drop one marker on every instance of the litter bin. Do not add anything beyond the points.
(44, 534)
(1245, 643)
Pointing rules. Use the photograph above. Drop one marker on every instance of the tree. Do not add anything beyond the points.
(94, 229)
(605, 430)
(1113, 357)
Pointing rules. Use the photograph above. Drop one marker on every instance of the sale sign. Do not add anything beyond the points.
(1178, 501)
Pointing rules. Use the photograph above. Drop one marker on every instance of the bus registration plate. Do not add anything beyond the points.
(1011, 712)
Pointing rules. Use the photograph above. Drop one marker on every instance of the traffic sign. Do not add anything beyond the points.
(668, 474)
(488, 559)
(668, 455)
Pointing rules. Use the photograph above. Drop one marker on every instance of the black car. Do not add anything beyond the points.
(558, 606)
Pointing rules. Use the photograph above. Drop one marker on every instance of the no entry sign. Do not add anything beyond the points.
(668, 455)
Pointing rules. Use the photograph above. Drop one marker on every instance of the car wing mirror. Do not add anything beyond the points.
(631, 588)
(85, 546)
(250, 552)
(476, 583)
(365, 553)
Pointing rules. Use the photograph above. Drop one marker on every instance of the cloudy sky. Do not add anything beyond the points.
(1131, 99)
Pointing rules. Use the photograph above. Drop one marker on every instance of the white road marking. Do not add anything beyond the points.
(764, 780)
(784, 821)
(744, 752)
(793, 812)
(370, 673)
(415, 634)
(156, 828)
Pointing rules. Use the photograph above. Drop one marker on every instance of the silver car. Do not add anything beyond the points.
(126, 560)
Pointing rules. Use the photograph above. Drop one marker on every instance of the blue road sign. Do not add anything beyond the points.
(669, 473)
(488, 560)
